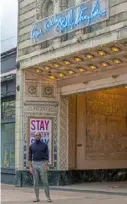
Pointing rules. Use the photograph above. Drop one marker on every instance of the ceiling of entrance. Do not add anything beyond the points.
(99, 59)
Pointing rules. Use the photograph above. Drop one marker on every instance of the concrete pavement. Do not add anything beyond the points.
(13, 195)
(113, 188)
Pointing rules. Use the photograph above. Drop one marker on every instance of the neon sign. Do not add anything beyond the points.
(81, 16)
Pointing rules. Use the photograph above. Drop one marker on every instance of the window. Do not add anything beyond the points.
(49, 9)
(8, 109)
(8, 145)
(8, 133)
(67, 4)
(64, 5)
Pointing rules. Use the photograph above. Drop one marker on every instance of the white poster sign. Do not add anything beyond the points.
(44, 126)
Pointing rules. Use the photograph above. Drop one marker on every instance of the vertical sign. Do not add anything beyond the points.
(44, 126)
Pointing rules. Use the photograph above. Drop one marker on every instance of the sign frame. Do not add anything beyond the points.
(52, 136)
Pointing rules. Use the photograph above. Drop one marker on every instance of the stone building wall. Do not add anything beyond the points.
(36, 104)
(29, 55)
(107, 31)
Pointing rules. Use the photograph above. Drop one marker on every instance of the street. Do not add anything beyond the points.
(13, 195)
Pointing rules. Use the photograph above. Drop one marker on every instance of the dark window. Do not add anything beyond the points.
(7, 110)
(64, 5)
(8, 132)
(8, 145)
(49, 10)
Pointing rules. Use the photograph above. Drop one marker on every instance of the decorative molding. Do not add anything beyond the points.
(63, 133)
(44, 103)
(47, 108)
(48, 91)
(38, 88)
(41, 8)
(38, 8)
(31, 89)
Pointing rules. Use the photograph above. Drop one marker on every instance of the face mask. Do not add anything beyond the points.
(37, 141)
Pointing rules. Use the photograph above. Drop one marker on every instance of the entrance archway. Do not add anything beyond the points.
(98, 129)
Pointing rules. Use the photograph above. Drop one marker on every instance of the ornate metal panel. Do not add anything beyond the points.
(63, 133)
(72, 132)
(106, 125)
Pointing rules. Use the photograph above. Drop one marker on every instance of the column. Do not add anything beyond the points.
(19, 121)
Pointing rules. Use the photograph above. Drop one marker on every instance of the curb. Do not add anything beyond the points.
(89, 191)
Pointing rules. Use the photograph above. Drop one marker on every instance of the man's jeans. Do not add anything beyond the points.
(39, 169)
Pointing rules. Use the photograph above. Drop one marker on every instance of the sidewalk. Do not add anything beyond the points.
(17, 195)
(114, 188)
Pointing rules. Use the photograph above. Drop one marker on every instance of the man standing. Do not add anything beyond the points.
(38, 158)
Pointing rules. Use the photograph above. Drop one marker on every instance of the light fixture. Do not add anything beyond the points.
(18, 65)
(38, 71)
(67, 62)
(47, 67)
(56, 65)
(89, 56)
(115, 49)
(117, 61)
(60, 74)
(104, 64)
(85, 82)
(92, 67)
(101, 52)
(78, 59)
(70, 72)
(81, 69)
(51, 77)
(114, 76)
(18, 88)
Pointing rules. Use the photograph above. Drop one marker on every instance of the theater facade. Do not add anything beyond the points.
(72, 86)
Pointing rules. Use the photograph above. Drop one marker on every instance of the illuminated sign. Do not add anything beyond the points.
(79, 17)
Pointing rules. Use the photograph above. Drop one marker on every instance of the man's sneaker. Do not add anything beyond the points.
(49, 200)
(37, 200)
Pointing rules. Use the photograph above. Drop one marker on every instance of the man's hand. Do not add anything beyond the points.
(31, 170)
(46, 168)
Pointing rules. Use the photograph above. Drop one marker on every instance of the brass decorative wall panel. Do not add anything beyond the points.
(107, 124)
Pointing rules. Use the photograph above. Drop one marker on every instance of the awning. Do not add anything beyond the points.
(8, 73)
